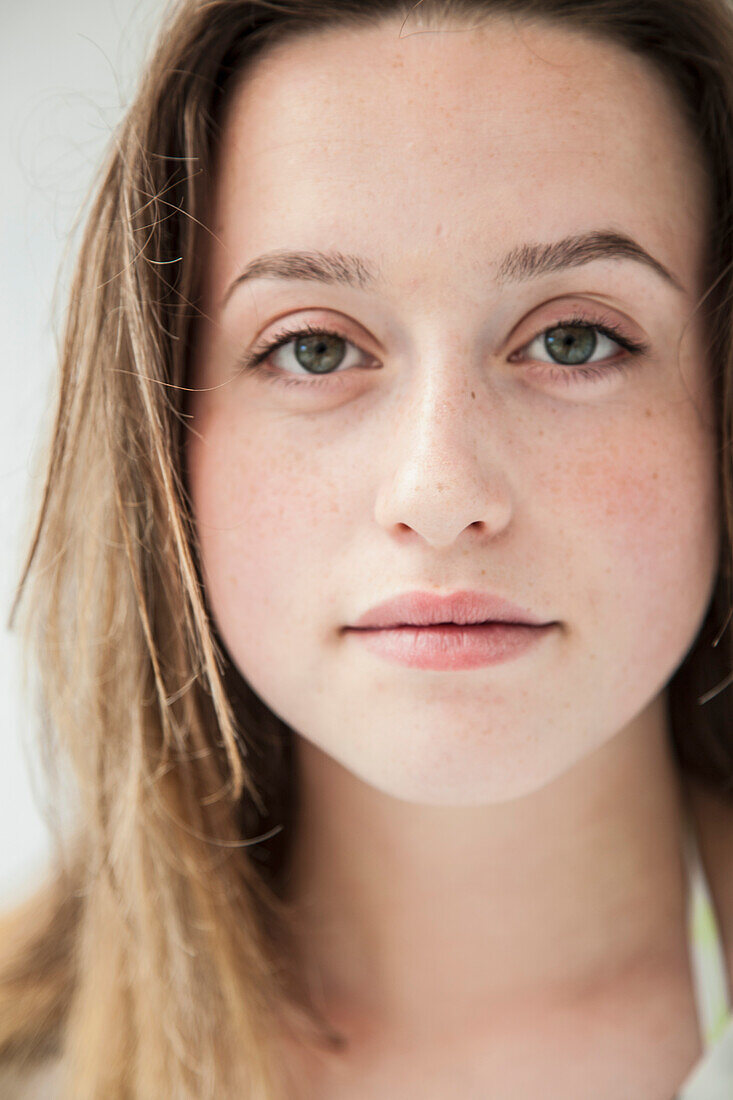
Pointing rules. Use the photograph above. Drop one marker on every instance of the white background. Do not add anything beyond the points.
(67, 70)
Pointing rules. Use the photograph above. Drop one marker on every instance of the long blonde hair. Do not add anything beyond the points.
(156, 958)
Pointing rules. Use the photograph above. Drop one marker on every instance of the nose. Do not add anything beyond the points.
(442, 472)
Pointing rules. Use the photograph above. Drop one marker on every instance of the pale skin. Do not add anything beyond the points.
(489, 861)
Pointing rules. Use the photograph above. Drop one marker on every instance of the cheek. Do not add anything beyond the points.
(267, 523)
(648, 514)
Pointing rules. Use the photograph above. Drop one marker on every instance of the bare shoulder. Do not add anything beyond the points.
(39, 1082)
(713, 817)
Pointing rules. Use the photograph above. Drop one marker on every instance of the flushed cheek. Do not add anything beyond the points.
(647, 514)
(267, 525)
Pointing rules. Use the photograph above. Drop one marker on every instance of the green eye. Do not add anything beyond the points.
(571, 344)
(321, 353)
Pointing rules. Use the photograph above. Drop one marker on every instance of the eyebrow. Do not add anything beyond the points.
(526, 261)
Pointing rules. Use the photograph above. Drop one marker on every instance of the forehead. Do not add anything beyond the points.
(456, 142)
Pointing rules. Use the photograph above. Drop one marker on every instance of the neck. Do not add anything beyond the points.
(423, 916)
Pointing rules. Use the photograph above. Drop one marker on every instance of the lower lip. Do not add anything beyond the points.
(451, 646)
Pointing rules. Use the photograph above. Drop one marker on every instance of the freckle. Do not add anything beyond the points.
(473, 395)
(648, 412)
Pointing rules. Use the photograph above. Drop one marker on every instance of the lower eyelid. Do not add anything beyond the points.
(599, 371)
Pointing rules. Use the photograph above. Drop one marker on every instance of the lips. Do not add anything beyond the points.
(463, 608)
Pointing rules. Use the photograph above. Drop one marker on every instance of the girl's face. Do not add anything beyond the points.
(441, 446)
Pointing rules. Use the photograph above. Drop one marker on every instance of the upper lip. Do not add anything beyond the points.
(464, 608)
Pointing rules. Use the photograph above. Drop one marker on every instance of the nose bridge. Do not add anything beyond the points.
(443, 473)
(446, 405)
(439, 424)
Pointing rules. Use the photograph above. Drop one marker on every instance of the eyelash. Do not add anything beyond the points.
(254, 360)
